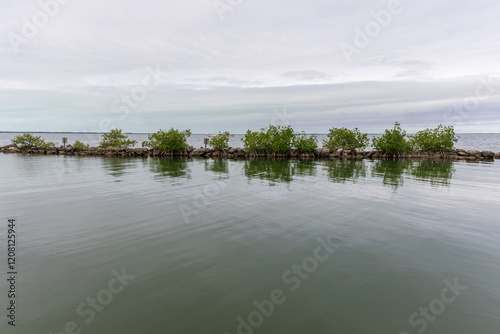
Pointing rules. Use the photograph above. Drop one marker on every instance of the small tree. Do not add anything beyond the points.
(78, 145)
(441, 138)
(304, 144)
(280, 138)
(254, 141)
(115, 138)
(393, 141)
(172, 141)
(220, 142)
(346, 139)
(28, 140)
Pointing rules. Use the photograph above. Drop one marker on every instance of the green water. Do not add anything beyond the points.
(320, 247)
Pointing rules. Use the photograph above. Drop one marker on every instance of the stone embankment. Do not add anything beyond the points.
(230, 153)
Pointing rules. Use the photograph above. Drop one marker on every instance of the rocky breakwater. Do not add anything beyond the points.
(240, 153)
(458, 154)
(90, 151)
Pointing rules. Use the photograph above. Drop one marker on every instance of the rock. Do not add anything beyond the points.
(358, 151)
(199, 152)
(497, 156)
(323, 152)
(11, 149)
(473, 153)
(487, 154)
(334, 155)
(461, 153)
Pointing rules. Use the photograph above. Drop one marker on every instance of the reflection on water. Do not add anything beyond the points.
(217, 166)
(391, 172)
(202, 251)
(170, 167)
(117, 166)
(340, 171)
(279, 170)
(437, 173)
(274, 171)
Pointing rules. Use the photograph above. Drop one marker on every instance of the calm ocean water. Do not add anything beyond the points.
(129, 246)
(468, 141)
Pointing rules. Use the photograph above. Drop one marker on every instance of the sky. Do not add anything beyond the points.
(234, 65)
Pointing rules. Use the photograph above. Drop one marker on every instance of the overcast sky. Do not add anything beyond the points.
(234, 65)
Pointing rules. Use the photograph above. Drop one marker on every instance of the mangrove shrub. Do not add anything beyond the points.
(172, 141)
(393, 141)
(441, 138)
(273, 139)
(115, 138)
(220, 142)
(78, 145)
(305, 144)
(29, 140)
(346, 139)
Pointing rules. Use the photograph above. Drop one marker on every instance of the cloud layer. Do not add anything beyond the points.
(86, 66)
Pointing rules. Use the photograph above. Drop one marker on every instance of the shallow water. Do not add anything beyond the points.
(204, 240)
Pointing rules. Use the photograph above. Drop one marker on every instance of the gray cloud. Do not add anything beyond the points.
(261, 57)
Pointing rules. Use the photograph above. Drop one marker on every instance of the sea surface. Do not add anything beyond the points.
(467, 141)
(125, 245)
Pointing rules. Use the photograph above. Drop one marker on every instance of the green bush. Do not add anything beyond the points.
(78, 145)
(273, 139)
(115, 138)
(220, 142)
(304, 144)
(254, 141)
(280, 138)
(393, 141)
(28, 140)
(172, 141)
(441, 138)
(346, 139)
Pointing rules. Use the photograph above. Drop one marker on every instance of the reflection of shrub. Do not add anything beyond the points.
(441, 138)
(393, 141)
(391, 171)
(171, 141)
(273, 171)
(340, 171)
(304, 144)
(346, 139)
(169, 167)
(220, 142)
(28, 140)
(115, 138)
(435, 172)
(78, 145)
(219, 166)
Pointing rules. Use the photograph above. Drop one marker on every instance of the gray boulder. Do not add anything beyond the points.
(473, 153)
(487, 154)
(359, 151)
